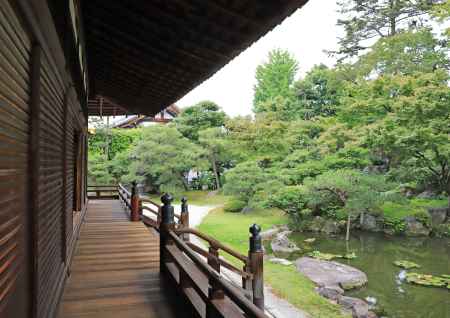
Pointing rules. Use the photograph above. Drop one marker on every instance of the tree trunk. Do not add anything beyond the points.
(361, 218)
(347, 234)
(216, 172)
(392, 22)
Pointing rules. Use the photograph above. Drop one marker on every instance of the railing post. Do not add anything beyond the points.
(256, 258)
(134, 204)
(214, 292)
(167, 224)
(184, 218)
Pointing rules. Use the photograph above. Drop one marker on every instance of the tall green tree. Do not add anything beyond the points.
(319, 92)
(364, 21)
(216, 145)
(416, 132)
(274, 78)
(205, 114)
(163, 158)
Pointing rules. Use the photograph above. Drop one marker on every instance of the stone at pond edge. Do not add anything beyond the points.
(438, 215)
(359, 308)
(427, 194)
(282, 246)
(330, 292)
(331, 227)
(413, 227)
(372, 223)
(269, 234)
(326, 273)
(316, 224)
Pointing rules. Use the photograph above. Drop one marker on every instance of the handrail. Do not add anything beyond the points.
(101, 192)
(222, 262)
(213, 242)
(218, 281)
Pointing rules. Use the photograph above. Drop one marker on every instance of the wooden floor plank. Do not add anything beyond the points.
(115, 270)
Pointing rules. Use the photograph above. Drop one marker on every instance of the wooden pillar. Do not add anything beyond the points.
(184, 218)
(167, 225)
(135, 217)
(34, 171)
(256, 259)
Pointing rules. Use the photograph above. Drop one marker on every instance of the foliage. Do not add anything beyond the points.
(293, 200)
(364, 21)
(428, 280)
(319, 93)
(406, 264)
(217, 150)
(405, 53)
(193, 119)
(163, 158)
(234, 205)
(242, 180)
(274, 79)
(353, 190)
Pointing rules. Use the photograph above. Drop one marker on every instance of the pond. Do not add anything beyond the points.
(376, 254)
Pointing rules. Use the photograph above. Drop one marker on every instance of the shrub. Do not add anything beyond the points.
(234, 205)
(424, 218)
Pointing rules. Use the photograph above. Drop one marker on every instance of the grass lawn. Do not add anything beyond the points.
(232, 230)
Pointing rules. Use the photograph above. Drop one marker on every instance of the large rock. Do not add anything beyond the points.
(326, 273)
(330, 227)
(427, 194)
(414, 227)
(372, 223)
(269, 234)
(438, 215)
(358, 307)
(282, 246)
(316, 224)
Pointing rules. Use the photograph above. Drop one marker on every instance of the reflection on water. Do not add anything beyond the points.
(387, 286)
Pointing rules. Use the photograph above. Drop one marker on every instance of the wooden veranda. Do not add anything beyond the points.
(115, 269)
(55, 58)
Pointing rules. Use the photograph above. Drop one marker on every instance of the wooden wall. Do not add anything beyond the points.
(40, 115)
(15, 68)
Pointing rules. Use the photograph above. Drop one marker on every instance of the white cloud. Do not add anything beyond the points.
(306, 34)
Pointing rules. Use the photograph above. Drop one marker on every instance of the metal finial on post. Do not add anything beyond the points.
(135, 215)
(256, 259)
(167, 224)
(184, 217)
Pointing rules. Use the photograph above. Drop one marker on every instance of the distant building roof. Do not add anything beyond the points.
(135, 120)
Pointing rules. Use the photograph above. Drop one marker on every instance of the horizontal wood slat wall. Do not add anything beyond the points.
(51, 208)
(15, 60)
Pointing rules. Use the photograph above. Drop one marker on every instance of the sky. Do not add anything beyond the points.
(305, 34)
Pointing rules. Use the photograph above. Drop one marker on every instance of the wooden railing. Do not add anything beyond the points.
(102, 192)
(197, 272)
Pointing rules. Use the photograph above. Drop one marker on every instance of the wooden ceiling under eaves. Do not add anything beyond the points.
(146, 54)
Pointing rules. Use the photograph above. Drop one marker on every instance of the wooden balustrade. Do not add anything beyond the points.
(99, 192)
(197, 271)
(201, 281)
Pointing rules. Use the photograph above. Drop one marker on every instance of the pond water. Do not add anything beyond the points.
(375, 256)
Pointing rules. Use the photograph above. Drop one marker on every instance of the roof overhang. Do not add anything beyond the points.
(145, 55)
